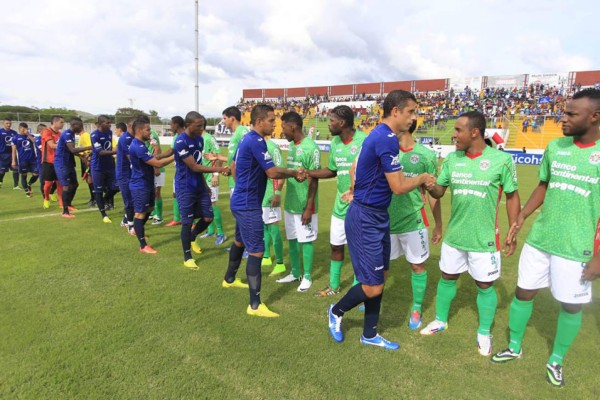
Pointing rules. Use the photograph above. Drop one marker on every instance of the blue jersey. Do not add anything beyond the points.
(102, 141)
(186, 180)
(252, 159)
(38, 149)
(123, 168)
(142, 174)
(63, 157)
(25, 149)
(6, 137)
(379, 155)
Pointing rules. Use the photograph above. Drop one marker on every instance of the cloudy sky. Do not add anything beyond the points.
(95, 56)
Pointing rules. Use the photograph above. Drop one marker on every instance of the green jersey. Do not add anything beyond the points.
(304, 154)
(569, 224)
(476, 184)
(341, 157)
(407, 211)
(154, 140)
(210, 147)
(275, 153)
(239, 133)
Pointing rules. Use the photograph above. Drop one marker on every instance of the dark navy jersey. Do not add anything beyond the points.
(102, 141)
(25, 149)
(186, 180)
(123, 165)
(142, 174)
(6, 137)
(63, 157)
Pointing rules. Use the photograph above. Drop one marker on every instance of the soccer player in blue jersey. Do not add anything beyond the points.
(38, 154)
(141, 183)
(24, 157)
(123, 173)
(252, 165)
(192, 190)
(64, 164)
(367, 224)
(103, 165)
(6, 137)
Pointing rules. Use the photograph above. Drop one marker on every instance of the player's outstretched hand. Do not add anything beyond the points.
(436, 236)
(347, 196)
(301, 175)
(510, 244)
(591, 271)
(515, 228)
(226, 170)
(429, 181)
(210, 156)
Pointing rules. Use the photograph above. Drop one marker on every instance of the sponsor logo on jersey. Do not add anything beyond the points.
(266, 155)
(484, 165)
(595, 158)
(563, 153)
(395, 160)
(414, 158)
(353, 150)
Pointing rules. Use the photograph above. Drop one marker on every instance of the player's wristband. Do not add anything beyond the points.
(278, 192)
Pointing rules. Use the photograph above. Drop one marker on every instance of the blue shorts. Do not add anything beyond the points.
(126, 193)
(27, 166)
(249, 229)
(5, 161)
(194, 205)
(104, 181)
(368, 236)
(142, 200)
(66, 176)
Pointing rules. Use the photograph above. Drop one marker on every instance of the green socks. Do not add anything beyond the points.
(211, 228)
(267, 239)
(355, 281)
(335, 271)
(518, 316)
(446, 291)
(308, 255)
(566, 331)
(487, 301)
(176, 214)
(158, 207)
(218, 221)
(294, 257)
(419, 284)
(277, 243)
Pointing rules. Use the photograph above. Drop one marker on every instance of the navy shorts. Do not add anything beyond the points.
(249, 229)
(5, 161)
(66, 176)
(194, 205)
(126, 193)
(104, 181)
(27, 166)
(142, 200)
(368, 236)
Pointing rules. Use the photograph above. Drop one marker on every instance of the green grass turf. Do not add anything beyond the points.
(85, 315)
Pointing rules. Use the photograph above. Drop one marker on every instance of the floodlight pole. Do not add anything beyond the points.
(197, 68)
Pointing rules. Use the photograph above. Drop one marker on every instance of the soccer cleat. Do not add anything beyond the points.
(278, 269)
(220, 239)
(148, 250)
(157, 221)
(261, 311)
(72, 209)
(46, 204)
(305, 284)
(29, 193)
(173, 223)
(204, 236)
(484, 344)
(414, 322)
(196, 249)
(106, 220)
(237, 283)
(506, 355)
(17, 188)
(361, 308)
(379, 341)
(245, 255)
(266, 262)
(554, 375)
(328, 291)
(91, 204)
(288, 279)
(191, 264)
(335, 325)
(67, 215)
(434, 327)
(131, 230)
(123, 223)
(53, 197)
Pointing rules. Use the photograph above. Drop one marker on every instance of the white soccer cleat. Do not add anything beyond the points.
(288, 279)
(484, 343)
(434, 327)
(305, 284)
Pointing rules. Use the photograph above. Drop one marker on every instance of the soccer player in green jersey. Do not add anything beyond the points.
(476, 175)
(211, 147)
(345, 146)
(153, 145)
(301, 201)
(232, 118)
(271, 213)
(408, 221)
(178, 127)
(562, 248)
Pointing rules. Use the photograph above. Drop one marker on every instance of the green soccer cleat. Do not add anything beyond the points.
(278, 269)
(554, 375)
(506, 355)
(266, 262)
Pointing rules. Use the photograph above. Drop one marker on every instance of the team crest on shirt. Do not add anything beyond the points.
(353, 150)
(414, 158)
(484, 165)
(595, 158)
(298, 152)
